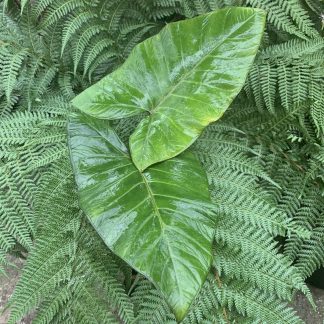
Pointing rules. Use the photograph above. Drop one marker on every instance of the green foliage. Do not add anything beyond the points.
(69, 265)
(173, 70)
(161, 231)
(264, 159)
(29, 141)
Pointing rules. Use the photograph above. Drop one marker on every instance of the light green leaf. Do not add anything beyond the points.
(157, 221)
(185, 78)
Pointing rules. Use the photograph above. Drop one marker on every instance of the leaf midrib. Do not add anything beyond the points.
(162, 225)
(155, 206)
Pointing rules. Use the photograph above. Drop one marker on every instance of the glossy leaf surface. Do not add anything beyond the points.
(185, 78)
(158, 221)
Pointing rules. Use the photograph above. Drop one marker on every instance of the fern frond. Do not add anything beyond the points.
(317, 113)
(288, 16)
(64, 235)
(15, 214)
(73, 24)
(58, 10)
(82, 42)
(252, 302)
(294, 48)
(95, 50)
(10, 66)
(310, 256)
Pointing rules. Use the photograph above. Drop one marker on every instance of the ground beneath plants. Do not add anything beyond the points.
(7, 285)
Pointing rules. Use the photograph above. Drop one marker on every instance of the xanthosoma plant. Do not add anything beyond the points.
(158, 216)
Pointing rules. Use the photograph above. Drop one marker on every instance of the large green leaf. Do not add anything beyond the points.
(158, 221)
(185, 78)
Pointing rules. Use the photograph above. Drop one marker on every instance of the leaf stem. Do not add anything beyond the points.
(134, 284)
(219, 284)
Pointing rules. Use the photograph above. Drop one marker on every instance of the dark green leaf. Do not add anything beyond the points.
(158, 221)
(185, 78)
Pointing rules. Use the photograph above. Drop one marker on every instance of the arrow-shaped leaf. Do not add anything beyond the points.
(157, 221)
(185, 78)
